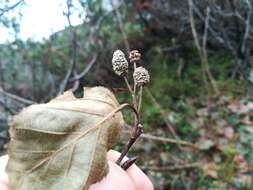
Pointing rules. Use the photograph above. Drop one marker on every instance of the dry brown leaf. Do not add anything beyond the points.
(241, 108)
(234, 105)
(210, 169)
(205, 144)
(229, 132)
(241, 164)
(246, 120)
(62, 145)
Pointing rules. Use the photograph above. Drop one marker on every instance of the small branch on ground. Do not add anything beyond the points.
(173, 168)
(166, 140)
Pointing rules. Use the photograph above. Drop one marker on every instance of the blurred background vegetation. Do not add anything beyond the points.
(199, 55)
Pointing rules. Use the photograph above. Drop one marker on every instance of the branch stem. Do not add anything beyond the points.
(140, 99)
(17, 98)
(166, 140)
(128, 85)
(134, 136)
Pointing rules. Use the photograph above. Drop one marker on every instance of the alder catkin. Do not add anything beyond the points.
(119, 63)
(134, 56)
(141, 76)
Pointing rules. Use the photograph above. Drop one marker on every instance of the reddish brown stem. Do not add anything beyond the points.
(137, 131)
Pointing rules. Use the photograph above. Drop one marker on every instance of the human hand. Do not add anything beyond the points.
(117, 179)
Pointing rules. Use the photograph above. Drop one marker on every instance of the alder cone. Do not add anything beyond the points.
(62, 145)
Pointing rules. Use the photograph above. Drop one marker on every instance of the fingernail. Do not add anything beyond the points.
(129, 163)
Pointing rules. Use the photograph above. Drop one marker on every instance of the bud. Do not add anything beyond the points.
(119, 63)
(134, 56)
(141, 76)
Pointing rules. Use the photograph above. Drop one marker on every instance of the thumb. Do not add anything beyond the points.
(3, 175)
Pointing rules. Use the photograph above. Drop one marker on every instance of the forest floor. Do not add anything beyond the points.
(221, 129)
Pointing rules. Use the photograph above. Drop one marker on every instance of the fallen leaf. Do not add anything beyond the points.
(244, 180)
(205, 144)
(234, 105)
(202, 112)
(62, 145)
(240, 108)
(246, 120)
(210, 169)
(222, 144)
(229, 132)
(241, 164)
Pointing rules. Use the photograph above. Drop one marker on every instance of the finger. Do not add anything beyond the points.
(115, 180)
(140, 180)
(3, 175)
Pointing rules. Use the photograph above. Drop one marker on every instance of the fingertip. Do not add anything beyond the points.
(3, 163)
(140, 179)
(4, 185)
(115, 180)
(3, 175)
